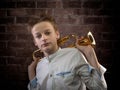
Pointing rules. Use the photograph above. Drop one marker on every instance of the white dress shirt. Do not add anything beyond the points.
(67, 69)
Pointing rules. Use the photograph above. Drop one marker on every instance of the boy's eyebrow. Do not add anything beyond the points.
(44, 31)
(37, 33)
(47, 30)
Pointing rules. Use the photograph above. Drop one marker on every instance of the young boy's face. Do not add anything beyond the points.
(45, 37)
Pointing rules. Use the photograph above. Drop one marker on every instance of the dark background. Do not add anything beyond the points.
(101, 17)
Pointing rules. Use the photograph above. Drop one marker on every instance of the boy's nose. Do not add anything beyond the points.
(44, 37)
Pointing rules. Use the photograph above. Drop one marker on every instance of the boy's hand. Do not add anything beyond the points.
(32, 69)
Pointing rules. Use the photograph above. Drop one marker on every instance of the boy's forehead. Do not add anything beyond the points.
(42, 26)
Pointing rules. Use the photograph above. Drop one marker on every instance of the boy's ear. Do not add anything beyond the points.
(58, 34)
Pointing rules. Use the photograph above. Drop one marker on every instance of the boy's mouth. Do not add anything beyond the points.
(45, 44)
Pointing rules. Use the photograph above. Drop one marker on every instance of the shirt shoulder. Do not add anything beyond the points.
(73, 50)
(69, 50)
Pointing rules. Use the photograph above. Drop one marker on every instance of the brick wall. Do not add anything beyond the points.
(73, 16)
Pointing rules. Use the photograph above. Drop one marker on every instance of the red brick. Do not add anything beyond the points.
(16, 12)
(26, 4)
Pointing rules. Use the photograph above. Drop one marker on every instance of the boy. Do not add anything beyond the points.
(62, 69)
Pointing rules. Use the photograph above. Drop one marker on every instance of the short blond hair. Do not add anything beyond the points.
(43, 17)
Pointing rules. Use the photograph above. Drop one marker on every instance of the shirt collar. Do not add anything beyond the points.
(50, 57)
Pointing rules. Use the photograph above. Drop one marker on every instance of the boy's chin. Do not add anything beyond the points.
(45, 49)
(49, 50)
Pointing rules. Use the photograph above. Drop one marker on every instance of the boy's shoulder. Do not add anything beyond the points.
(69, 49)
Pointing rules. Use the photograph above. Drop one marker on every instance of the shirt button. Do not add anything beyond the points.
(50, 75)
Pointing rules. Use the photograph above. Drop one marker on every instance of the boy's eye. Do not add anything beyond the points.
(47, 33)
(38, 36)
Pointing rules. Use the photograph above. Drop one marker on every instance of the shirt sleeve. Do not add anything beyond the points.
(33, 85)
(94, 79)
(102, 71)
